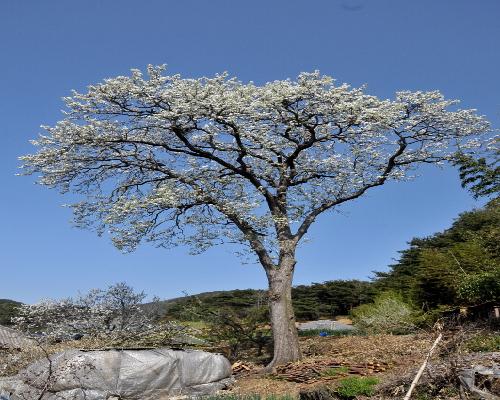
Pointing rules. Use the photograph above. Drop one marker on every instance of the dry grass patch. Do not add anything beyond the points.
(398, 354)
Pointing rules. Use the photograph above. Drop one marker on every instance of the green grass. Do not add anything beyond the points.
(484, 342)
(354, 386)
(329, 332)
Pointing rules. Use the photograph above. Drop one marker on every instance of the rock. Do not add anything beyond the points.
(127, 374)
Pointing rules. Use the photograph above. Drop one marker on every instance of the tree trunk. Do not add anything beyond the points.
(286, 341)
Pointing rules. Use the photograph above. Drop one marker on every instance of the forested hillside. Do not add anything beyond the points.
(7, 310)
(459, 266)
(318, 300)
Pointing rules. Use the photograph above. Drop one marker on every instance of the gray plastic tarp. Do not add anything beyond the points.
(128, 374)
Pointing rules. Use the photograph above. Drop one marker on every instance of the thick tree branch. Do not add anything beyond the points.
(311, 217)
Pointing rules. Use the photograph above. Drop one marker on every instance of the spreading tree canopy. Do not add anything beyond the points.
(202, 161)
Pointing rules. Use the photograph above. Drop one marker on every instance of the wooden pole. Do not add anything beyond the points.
(422, 368)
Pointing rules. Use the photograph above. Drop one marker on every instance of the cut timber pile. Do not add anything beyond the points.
(240, 368)
(313, 371)
(320, 370)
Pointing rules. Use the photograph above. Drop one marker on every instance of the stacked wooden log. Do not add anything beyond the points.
(240, 368)
(320, 370)
(314, 371)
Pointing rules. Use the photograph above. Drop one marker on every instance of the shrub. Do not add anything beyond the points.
(8, 310)
(354, 386)
(225, 327)
(480, 288)
(488, 342)
(117, 316)
(388, 314)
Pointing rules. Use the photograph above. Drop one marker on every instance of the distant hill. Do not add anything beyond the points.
(318, 300)
(237, 300)
(7, 310)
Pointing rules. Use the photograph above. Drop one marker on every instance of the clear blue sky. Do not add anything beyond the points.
(48, 48)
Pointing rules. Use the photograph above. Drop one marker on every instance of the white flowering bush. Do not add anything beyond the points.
(116, 316)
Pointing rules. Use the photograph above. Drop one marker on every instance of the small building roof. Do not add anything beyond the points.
(12, 339)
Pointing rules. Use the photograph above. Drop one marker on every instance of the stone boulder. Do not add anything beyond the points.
(125, 374)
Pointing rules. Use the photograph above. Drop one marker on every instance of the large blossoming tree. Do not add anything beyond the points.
(203, 161)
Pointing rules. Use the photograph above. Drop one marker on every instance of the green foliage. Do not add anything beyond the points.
(481, 176)
(487, 342)
(238, 301)
(387, 314)
(318, 300)
(331, 298)
(236, 330)
(354, 386)
(450, 268)
(8, 309)
(480, 288)
(429, 318)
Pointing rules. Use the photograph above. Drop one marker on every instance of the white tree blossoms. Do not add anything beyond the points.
(116, 312)
(203, 161)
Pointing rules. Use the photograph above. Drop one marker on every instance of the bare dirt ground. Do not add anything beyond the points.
(392, 360)
(382, 356)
